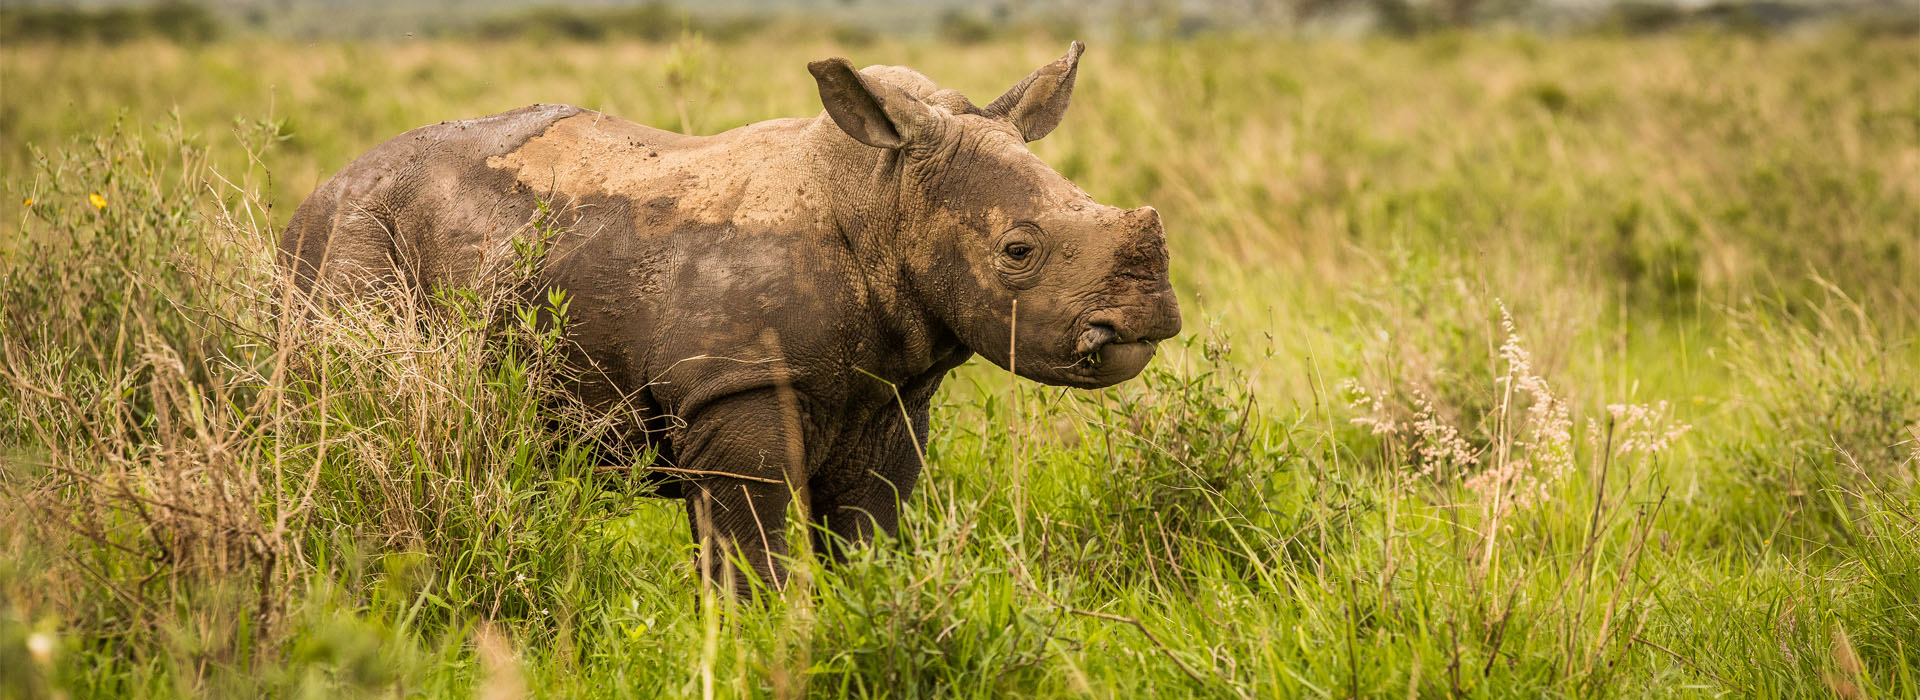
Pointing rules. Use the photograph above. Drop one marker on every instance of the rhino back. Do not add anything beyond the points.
(690, 261)
(375, 220)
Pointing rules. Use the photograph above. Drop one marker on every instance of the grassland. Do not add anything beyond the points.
(1516, 368)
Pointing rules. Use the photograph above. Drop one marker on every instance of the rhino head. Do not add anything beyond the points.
(1019, 264)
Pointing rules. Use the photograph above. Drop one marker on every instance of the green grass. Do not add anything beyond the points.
(1350, 479)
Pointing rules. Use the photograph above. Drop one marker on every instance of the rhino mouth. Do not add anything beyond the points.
(1101, 357)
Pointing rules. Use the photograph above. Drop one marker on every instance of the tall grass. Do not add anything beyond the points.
(1518, 369)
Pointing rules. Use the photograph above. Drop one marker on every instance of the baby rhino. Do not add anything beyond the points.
(754, 299)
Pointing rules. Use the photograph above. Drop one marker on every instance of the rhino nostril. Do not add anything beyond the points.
(1097, 335)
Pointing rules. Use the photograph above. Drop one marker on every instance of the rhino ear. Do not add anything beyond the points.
(873, 112)
(1038, 103)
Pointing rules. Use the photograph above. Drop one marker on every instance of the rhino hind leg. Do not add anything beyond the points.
(337, 248)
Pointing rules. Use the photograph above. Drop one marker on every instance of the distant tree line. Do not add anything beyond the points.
(183, 22)
(650, 21)
(1192, 18)
(660, 20)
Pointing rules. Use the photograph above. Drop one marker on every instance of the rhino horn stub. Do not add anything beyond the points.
(1141, 251)
(874, 112)
(1145, 216)
(1038, 103)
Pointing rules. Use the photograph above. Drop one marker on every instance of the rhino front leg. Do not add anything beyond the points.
(737, 497)
(853, 520)
(880, 475)
(739, 522)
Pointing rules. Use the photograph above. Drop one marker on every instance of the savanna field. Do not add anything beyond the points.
(1514, 367)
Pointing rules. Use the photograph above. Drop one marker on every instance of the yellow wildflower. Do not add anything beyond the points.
(27, 202)
(40, 647)
(99, 202)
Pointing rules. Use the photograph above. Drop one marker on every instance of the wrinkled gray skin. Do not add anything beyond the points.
(746, 293)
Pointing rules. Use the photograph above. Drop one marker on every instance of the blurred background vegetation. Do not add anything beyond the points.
(955, 20)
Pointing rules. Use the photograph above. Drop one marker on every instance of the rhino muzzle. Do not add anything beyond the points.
(1117, 344)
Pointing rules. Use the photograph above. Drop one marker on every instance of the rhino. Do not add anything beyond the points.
(777, 304)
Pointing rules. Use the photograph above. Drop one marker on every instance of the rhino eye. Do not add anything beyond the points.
(1023, 251)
